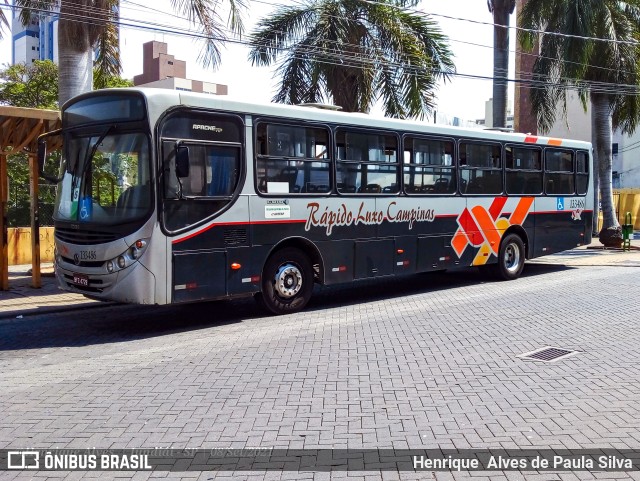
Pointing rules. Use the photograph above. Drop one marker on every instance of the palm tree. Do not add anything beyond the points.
(3, 22)
(590, 46)
(85, 25)
(501, 10)
(353, 52)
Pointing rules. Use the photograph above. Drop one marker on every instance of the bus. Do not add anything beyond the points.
(175, 197)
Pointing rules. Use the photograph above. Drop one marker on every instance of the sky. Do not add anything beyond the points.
(470, 42)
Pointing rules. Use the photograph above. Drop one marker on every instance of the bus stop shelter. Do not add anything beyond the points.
(19, 131)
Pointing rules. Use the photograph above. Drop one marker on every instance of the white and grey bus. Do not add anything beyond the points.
(171, 196)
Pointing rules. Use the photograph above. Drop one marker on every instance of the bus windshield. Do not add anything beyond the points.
(106, 178)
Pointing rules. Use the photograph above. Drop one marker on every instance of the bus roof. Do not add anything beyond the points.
(176, 97)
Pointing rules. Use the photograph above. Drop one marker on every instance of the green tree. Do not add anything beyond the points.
(87, 24)
(354, 52)
(34, 85)
(101, 81)
(501, 10)
(591, 46)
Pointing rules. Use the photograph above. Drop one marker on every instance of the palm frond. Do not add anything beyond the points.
(355, 52)
(3, 23)
(576, 59)
(107, 63)
(31, 8)
(205, 13)
(274, 34)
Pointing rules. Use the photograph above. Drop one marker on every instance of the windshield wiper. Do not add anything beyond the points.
(74, 182)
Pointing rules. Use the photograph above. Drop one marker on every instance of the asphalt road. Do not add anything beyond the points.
(419, 362)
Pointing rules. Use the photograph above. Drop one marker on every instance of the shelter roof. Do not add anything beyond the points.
(20, 127)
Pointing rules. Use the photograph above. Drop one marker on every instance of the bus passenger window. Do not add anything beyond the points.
(430, 168)
(480, 168)
(582, 172)
(292, 159)
(559, 172)
(523, 170)
(367, 162)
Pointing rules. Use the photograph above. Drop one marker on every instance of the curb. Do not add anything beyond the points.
(55, 309)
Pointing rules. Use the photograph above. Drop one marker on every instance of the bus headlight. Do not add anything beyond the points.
(131, 255)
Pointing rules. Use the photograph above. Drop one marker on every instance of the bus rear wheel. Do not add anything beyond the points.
(287, 282)
(511, 258)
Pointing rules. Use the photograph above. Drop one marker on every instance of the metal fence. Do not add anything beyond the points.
(19, 206)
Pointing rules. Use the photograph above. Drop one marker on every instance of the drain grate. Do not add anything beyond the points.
(548, 354)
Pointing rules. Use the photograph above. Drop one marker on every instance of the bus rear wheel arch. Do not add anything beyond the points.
(287, 282)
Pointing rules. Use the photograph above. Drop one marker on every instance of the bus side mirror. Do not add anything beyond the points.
(182, 161)
(42, 158)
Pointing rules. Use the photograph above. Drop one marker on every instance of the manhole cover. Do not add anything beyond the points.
(548, 354)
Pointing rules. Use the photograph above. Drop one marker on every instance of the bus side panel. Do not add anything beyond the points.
(199, 275)
(338, 257)
(560, 224)
(246, 279)
(435, 253)
(374, 258)
(405, 255)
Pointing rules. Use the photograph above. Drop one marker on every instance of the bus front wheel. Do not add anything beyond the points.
(510, 258)
(287, 282)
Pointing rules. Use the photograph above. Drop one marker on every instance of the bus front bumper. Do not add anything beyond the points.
(133, 285)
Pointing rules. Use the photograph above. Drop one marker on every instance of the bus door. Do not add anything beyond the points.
(201, 178)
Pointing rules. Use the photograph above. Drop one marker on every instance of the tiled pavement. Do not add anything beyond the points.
(420, 362)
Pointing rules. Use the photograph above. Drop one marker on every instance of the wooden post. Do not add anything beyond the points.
(4, 233)
(35, 222)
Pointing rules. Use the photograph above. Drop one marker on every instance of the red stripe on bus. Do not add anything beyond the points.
(224, 224)
(530, 139)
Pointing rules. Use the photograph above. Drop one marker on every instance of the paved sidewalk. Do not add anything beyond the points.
(21, 299)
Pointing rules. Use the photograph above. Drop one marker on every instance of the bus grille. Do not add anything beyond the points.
(84, 237)
(83, 263)
(234, 237)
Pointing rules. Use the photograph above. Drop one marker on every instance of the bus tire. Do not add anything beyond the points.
(287, 282)
(511, 258)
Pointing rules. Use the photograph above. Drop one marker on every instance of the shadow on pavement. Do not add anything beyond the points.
(124, 323)
(380, 289)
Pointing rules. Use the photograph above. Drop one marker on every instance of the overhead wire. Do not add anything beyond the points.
(346, 59)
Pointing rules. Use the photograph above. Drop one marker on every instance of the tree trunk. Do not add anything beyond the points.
(500, 62)
(344, 90)
(75, 54)
(611, 233)
(595, 178)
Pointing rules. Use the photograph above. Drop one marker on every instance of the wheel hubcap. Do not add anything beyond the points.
(512, 258)
(288, 281)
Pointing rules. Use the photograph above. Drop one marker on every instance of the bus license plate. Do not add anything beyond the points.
(80, 280)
